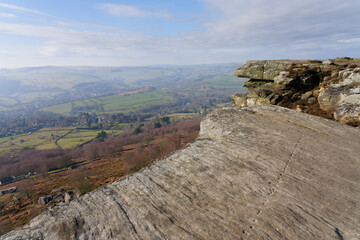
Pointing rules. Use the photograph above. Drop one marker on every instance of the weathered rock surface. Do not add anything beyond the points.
(329, 88)
(344, 97)
(256, 173)
(262, 70)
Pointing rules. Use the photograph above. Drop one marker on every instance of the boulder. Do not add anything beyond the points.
(306, 96)
(343, 98)
(328, 62)
(45, 200)
(259, 96)
(67, 198)
(349, 110)
(330, 98)
(283, 79)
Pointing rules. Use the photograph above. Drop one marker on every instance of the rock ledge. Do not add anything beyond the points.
(330, 89)
(264, 172)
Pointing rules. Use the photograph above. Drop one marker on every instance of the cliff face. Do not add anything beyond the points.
(264, 172)
(329, 89)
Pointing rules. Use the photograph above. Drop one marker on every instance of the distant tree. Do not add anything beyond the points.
(101, 135)
(26, 187)
(138, 129)
(165, 120)
(157, 125)
(65, 161)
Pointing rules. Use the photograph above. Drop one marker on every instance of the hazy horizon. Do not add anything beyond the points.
(138, 33)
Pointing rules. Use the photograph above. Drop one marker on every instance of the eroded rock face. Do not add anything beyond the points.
(327, 88)
(265, 172)
(343, 98)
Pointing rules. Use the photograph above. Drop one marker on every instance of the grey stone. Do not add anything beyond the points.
(349, 109)
(330, 98)
(45, 200)
(264, 172)
(263, 70)
(57, 190)
(306, 96)
(328, 62)
(282, 78)
(343, 98)
(67, 198)
(8, 191)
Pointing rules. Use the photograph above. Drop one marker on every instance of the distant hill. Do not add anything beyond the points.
(35, 88)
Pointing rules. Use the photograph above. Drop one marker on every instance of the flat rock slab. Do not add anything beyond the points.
(264, 172)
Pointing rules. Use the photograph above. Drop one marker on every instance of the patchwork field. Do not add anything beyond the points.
(45, 139)
(42, 139)
(7, 101)
(79, 136)
(113, 103)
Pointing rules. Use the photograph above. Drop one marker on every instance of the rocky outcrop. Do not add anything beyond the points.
(59, 197)
(344, 97)
(264, 172)
(329, 88)
(262, 70)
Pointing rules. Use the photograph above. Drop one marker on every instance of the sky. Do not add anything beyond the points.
(184, 32)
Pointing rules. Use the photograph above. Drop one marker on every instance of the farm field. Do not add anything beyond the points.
(45, 139)
(41, 139)
(80, 136)
(112, 103)
(35, 96)
(7, 101)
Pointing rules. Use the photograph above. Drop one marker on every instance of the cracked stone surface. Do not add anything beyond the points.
(264, 172)
(263, 70)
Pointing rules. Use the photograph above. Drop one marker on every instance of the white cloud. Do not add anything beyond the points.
(235, 30)
(351, 40)
(66, 42)
(18, 8)
(119, 10)
(7, 15)
(282, 21)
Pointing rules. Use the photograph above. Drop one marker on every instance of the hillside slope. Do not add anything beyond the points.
(264, 172)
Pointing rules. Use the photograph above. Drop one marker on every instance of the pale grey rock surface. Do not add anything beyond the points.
(328, 62)
(255, 173)
(263, 70)
(282, 78)
(344, 97)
